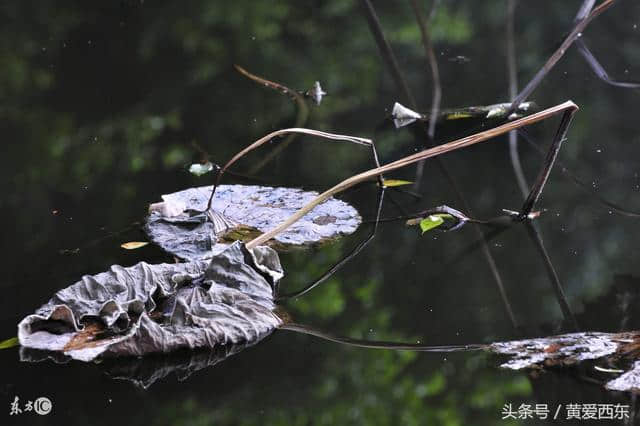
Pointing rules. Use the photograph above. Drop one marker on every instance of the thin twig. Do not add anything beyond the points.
(559, 53)
(553, 275)
(513, 92)
(585, 10)
(411, 159)
(435, 77)
(376, 344)
(433, 65)
(342, 261)
(385, 50)
(578, 182)
(270, 136)
(552, 154)
(301, 118)
(599, 70)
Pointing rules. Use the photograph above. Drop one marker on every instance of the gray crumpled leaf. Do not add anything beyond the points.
(160, 308)
(177, 227)
(575, 348)
(564, 349)
(627, 382)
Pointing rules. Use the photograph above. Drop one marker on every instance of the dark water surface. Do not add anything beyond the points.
(103, 106)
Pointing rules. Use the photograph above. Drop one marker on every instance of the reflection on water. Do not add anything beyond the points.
(104, 107)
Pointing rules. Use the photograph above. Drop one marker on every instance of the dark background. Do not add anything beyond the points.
(105, 104)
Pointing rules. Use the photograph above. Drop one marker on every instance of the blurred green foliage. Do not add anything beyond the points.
(103, 105)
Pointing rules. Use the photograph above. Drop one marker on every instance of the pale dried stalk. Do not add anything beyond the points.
(422, 155)
(267, 138)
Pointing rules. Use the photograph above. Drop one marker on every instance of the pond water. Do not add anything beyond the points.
(103, 107)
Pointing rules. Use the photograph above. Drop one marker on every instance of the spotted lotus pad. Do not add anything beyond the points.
(243, 212)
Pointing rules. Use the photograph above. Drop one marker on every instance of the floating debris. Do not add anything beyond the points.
(403, 116)
(201, 169)
(316, 93)
(242, 212)
(146, 308)
(132, 245)
(460, 59)
(444, 218)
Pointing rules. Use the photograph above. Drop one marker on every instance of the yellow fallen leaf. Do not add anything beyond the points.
(458, 115)
(9, 343)
(388, 183)
(134, 245)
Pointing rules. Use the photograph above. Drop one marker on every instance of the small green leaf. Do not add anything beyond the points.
(388, 183)
(9, 343)
(201, 169)
(430, 222)
(433, 221)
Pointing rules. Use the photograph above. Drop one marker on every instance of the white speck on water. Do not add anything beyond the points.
(110, 400)
(598, 150)
(371, 330)
(253, 37)
(44, 49)
(635, 26)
